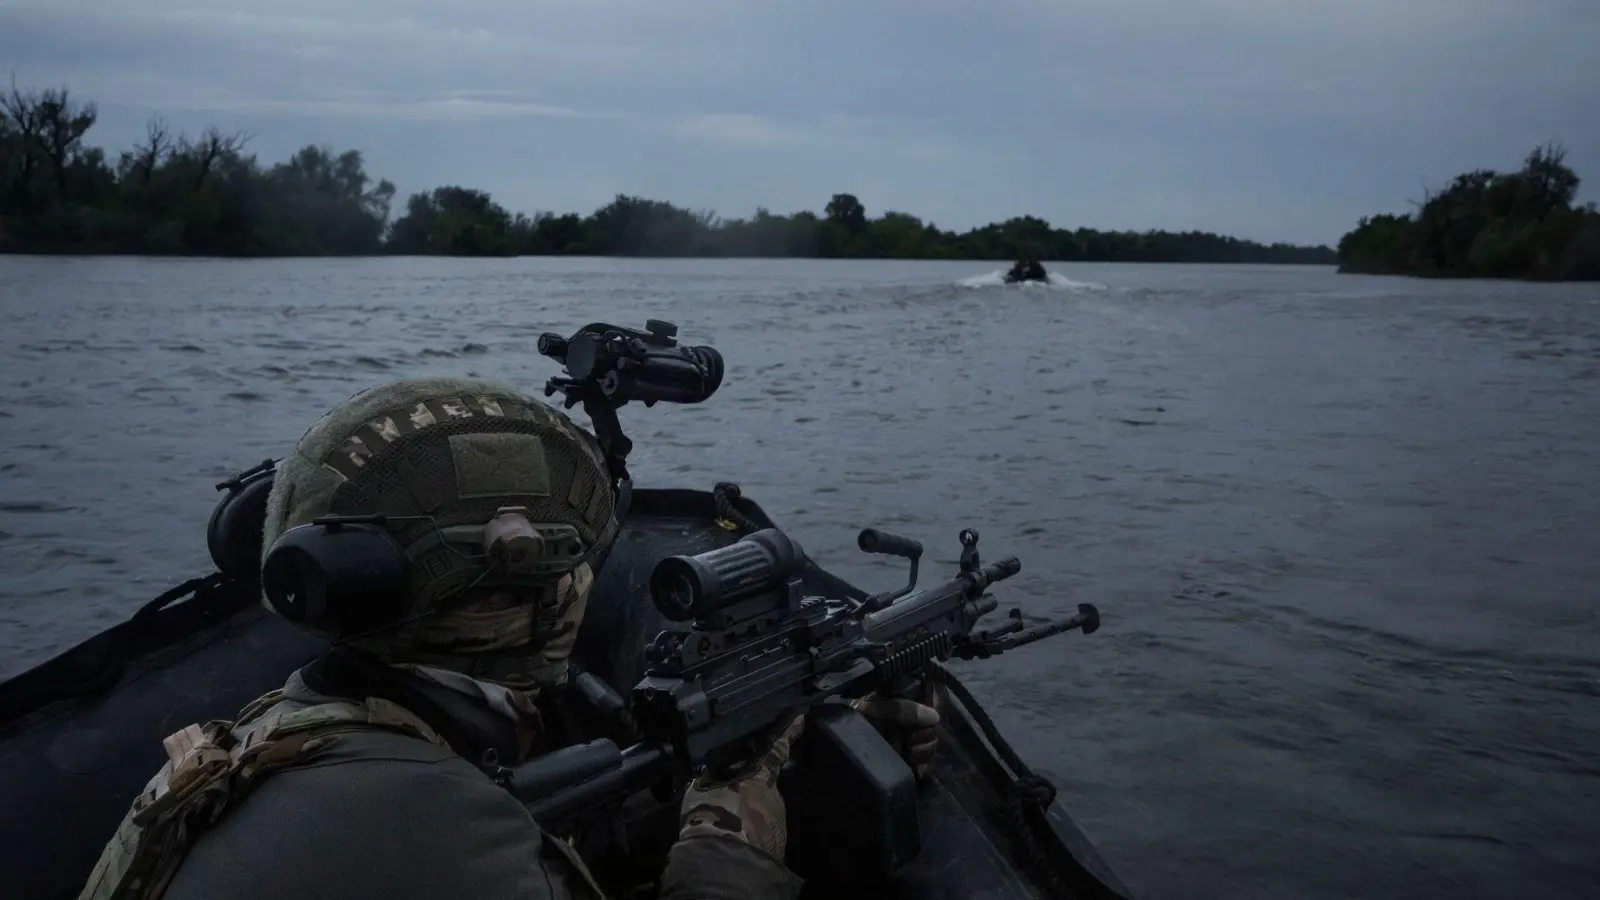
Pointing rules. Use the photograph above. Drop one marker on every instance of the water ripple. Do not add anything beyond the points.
(1342, 530)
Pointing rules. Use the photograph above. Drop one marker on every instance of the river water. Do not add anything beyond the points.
(1344, 531)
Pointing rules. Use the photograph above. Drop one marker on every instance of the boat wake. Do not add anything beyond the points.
(997, 278)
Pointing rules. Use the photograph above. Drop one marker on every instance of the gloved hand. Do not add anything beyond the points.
(908, 725)
(746, 806)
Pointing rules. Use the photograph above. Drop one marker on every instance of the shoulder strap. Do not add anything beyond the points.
(211, 767)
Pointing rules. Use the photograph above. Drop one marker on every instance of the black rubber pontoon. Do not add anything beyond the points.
(81, 734)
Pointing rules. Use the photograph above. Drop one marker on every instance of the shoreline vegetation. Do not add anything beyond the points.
(1518, 225)
(172, 194)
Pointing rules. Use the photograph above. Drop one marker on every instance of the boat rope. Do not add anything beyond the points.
(115, 662)
(1028, 791)
(96, 665)
(196, 586)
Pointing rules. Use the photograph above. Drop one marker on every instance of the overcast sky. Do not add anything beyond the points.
(1268, 119)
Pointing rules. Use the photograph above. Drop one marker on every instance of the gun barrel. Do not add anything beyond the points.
(1000, 571)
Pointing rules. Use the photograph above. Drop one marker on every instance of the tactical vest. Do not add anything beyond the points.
(212, 767)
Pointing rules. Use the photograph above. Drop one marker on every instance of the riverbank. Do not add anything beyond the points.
(1521, 225)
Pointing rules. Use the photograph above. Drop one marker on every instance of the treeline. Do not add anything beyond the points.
(1487, 224)
(460, 221)
(173, 194)
(205, 196)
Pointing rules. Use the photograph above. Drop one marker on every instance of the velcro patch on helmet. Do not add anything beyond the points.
(499, 464)
(348, 459)
(376, 433)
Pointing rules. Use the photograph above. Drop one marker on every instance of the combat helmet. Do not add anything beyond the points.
(452, 465)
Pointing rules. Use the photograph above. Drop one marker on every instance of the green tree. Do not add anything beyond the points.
(1486, 224)
(455, 221)
(847, 212)
(172, 193)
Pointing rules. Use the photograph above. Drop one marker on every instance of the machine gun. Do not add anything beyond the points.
(609, 365)
(750, 649)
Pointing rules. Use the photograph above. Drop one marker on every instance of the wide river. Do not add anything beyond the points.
(1344, 531)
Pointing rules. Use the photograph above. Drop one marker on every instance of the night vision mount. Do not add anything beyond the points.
(608, 365)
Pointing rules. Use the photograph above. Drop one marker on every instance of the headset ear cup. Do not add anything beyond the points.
(339, 579)
(233, 535)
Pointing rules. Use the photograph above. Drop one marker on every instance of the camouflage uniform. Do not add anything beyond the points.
(321, 790)
(749, 807)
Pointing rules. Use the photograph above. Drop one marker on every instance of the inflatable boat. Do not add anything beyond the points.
(81, 733)
(1027, 270)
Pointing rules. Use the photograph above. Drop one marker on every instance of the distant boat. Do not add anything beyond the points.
(1027, 270)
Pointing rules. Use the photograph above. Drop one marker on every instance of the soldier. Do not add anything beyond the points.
(452, 620)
